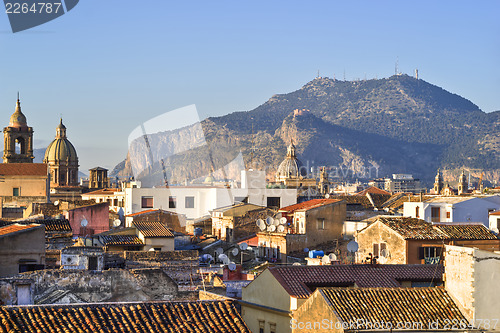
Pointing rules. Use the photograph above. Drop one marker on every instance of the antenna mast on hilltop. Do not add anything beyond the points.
(318, 75)
(396, 69)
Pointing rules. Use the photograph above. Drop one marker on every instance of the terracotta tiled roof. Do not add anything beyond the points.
(397, 200)
(419, 306)
(149, 211)
(466, 231)
(356, 200)
(411, 228)
(199, 316)
(495, 213)
(9, 229)
(23, 169)
(104, 191)
(61, 225)
(306, 205)
(297, 280)
(153, 229)
(373, 190)
(121, 240)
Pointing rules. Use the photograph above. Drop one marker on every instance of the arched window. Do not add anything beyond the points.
(20, 147)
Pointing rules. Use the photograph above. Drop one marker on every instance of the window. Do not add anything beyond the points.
(417, 212)
(272, 327)
(15, 191)
(115, 202)
(430, 254)
(172, 202)
(262, 325)
(321, 224)
(147, 202)
(375, 250)
(189, 202)
(273, 202)
(435, 214)
(448, 215)
(383, 249)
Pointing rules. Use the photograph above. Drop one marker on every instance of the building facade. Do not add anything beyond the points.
(18, 139)
(62, 159)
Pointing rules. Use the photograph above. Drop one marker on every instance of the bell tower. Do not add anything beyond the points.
(463, 186)
(18, 138)
(438, 183)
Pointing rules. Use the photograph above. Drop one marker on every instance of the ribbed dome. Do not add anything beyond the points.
(291, 167)
(60, 149)
(18, 119)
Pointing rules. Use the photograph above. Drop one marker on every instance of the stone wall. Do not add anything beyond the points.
(115, 285)
(160, 256)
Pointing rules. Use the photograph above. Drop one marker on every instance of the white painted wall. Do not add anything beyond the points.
(472, 277)
(205, 198)
(472, 210)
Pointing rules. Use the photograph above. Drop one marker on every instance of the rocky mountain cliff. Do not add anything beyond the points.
(398, 124)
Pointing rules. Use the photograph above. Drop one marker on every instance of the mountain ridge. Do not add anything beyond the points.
(400, 114)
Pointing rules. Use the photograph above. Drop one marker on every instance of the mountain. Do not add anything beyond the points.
(397, 124)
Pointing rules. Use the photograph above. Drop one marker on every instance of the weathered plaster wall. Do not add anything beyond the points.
(472, 277)
(113, 285)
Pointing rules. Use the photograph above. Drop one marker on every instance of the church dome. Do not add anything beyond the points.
(291, 167)
(18, 119)
(61, 149)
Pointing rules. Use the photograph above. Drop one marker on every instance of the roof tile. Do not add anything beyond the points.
(198, 316)
(297, 280)
(418, 306)
(306, 205)
(153, 229)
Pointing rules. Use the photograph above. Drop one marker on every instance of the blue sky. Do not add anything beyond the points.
(108, 65)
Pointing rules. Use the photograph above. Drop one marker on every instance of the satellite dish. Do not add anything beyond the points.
(306, 250)
(56, 203)
(84, 223)
(283, 220)
(276, 222)
(235, 251)
(219, 251)
(117, 223)
(325, 260)
(259, 222)
(495, 230)
(382, 260)
(222, 257)
(249, 248)
(226, 261)
(231, 266)
(151, 249)
(383, 253)
(296, 264)
(280, 228)
(332, 257)
(352, 246)
(243, 246)
(271, 228)
(327, 196)
(269, 220)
